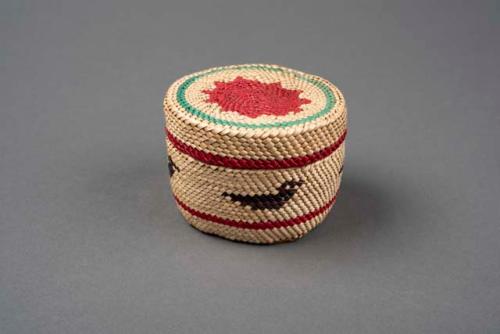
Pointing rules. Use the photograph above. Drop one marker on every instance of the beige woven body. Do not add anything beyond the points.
(255, 151)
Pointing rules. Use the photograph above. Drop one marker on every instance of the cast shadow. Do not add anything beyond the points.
(368, 208)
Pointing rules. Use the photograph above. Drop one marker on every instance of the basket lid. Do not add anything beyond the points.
(255, 116)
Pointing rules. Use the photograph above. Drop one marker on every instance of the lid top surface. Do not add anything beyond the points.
(255, 98)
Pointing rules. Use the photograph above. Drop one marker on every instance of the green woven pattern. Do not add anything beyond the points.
(329, 95)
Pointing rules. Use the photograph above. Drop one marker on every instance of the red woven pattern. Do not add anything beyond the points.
(244, 163)
(259, 225)
(253, 98)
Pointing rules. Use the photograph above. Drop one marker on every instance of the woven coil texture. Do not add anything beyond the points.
(255, 151)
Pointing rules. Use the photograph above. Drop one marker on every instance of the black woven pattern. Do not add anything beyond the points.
(172, 168)
(271, 201)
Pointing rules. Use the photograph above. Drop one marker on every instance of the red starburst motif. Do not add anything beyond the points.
(253, 98)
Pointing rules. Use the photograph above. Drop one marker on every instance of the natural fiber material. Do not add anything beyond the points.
(255, 151)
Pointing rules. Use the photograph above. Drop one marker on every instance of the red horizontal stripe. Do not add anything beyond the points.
(245, 163)
(258, 225)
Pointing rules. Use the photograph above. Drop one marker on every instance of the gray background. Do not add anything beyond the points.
(91, 241)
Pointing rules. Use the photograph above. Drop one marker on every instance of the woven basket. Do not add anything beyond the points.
(255, 151)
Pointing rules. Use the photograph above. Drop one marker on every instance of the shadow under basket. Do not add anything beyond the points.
(255, 151)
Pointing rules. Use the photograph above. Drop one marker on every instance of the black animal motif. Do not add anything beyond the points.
(172, 168)
(271, 201)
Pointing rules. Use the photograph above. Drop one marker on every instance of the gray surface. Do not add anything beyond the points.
(90, 239)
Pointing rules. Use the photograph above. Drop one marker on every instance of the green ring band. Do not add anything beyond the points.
(181, 99)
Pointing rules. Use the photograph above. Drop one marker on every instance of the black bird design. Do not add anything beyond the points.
(172, 168)
(271, 201)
